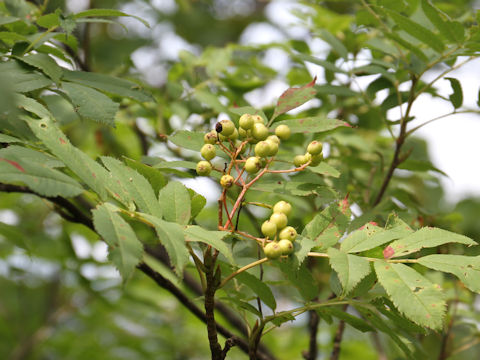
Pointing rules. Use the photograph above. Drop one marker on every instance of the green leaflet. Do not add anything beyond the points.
(170, 235)
(426, 237)
(375, 318)
(175, 202)
(350, 268)
(9, 139)
(451, 30)
(466, 268)
(457, 97)
(107, 12)
(417, 31)
(413, 295)
(197, 201)
(354, 321)
(154, 176)
(259, 288)
(372, 236)
(109, 84)
(135, 187)
(312, 124)
(44, 63)
(324, 169)
(214, 238)
(91, 172)
(21, 79)
(293, 98)
(25, 154)
(187, 139)
(31, 105)
(125, 250)
(91, 104)
(38, 176)
(327, 227)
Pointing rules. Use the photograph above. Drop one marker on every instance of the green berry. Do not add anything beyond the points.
(225, 127)
(246, 121)
(315, 147)
(258, 119)
(299, 160)
(226, 181)
(280, 219)
(283, 132)
(308, 157)
(233, 136)
(243, 133)
(262, 149)
(273, 147)
(274, 138)
(286, 246)
(259, 131)
(252, 165)
(208, 151)
(288, 233)
(316, 159)
(269, 229)
(210, 137)
(272, 250)
(203, 168)
(282, 207)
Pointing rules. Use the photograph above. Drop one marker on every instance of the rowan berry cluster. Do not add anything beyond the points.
(252, 148)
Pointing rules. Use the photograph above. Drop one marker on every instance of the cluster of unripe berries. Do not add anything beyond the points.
(276, 229)
(252, 129)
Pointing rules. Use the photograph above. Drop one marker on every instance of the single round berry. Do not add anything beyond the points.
(242, 133)
(282, 207)
(226, 181)
(262, 149)
(203, 168)
(283, 132)
(286, 246)
(208, 151)
(316, 159)
(210, 137)
(274, 138)
(252, 165)
(234, 135)
(272, 250)
(280, 219)
(225, 127)
(273, 147)
(258, 119)
(315, 147)
(259, 131)
(299, 160)
(246, 121)
(308, 157)
(269, 229)
(288, 233)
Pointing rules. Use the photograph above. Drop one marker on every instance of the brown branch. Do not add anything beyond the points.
(210, 275)
(397, 159)
(313, 322)
(338, 338)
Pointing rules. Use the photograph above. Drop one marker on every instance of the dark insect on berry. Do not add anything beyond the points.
(218, 127)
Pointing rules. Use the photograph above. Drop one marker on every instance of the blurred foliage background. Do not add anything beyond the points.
(60, 299)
